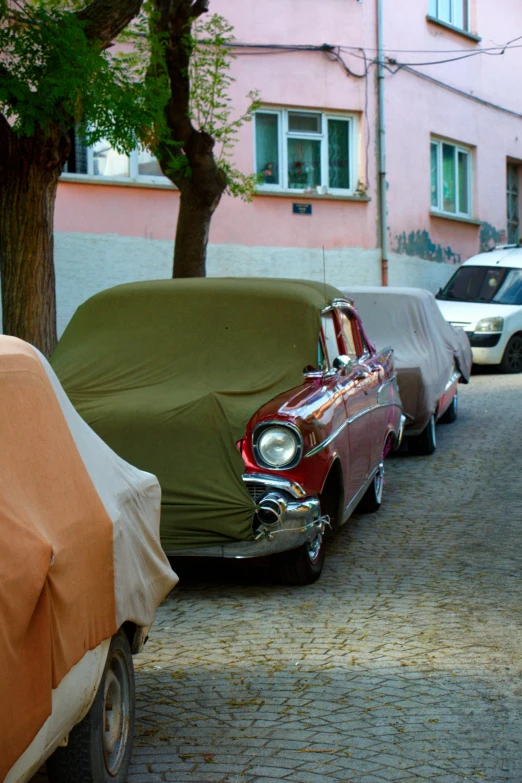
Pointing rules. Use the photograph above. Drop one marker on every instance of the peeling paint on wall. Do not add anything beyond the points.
(418, 243)
(490, 236)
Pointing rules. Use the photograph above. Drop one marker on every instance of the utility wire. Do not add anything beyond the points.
(334, 51)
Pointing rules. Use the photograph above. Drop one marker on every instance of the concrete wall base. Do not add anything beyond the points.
(87, 263)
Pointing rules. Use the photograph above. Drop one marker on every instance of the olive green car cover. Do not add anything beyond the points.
(169, 373)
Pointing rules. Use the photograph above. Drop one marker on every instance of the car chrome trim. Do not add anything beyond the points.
(326, 442)
(400, 435)
(274, 482)
(336, 304)
(354, 502)
(454, 378)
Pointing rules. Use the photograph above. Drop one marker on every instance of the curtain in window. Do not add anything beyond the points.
(458, 13)
(108, 162)
(148, 164)
(444, 11)
(304, 123)
(267, 153)
(448, 178)
(463, 162)
(338, 154)
(304, 163)
(434, 176)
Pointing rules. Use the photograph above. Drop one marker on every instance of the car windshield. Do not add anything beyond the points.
(493, 284)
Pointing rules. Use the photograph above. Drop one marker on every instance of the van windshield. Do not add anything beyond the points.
(497, 285)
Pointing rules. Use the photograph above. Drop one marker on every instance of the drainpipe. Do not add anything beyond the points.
(383, 209)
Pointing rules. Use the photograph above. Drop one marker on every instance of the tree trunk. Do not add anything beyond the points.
(27, 196)
(192, 230)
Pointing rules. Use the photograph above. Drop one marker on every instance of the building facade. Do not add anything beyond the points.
(450, 126)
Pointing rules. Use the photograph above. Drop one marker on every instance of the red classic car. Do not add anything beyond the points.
(258, 403)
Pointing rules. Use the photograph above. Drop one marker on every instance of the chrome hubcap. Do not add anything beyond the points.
(313, 547)
(379, 483)
(116, 717)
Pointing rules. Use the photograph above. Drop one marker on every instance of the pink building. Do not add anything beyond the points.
(451, 131)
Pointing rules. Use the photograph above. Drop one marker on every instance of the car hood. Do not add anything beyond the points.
(468, 314)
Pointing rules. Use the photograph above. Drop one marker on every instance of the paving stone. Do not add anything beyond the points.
(401, 664)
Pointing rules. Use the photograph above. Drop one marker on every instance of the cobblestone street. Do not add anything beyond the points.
(401, 664)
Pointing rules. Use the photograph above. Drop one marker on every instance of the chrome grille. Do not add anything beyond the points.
(256, 491)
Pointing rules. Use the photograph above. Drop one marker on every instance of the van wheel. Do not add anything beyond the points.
(451, 412)
(512, 359)
(425, 443)
(100, 746)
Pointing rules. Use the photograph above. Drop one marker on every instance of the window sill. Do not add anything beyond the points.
(125, 182)
(457, 30)
(299, 195)
(455, 218)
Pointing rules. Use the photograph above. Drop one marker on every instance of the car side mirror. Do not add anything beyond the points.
(342, 362)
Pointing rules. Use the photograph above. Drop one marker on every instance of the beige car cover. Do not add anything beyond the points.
(79, 543)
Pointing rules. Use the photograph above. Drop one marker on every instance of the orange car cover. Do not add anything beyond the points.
(57, 597)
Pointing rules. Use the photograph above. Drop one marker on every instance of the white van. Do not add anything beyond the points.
(484, 297)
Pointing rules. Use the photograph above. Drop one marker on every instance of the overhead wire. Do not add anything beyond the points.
(335, 53)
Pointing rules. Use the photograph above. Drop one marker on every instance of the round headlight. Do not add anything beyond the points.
(277, 446)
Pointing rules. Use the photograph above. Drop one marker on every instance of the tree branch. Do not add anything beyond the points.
(200, 7)
(107, 18)
(171, 24)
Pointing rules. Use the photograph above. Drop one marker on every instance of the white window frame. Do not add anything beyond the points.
(439, 210)
(282, 150)
(133, 175)
(434, 12)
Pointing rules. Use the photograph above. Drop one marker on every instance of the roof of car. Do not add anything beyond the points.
(502, 255)
(142, 293)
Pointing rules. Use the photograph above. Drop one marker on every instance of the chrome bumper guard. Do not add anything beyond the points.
(284, 524)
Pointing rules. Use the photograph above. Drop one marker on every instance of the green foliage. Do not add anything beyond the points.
(211, 105)
(51, 73)
(210, 46)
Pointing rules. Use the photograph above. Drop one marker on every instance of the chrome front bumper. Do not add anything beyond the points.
(298, 522)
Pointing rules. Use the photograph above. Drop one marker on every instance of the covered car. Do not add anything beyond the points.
(256, 402)
(431, 356)
(82, 572)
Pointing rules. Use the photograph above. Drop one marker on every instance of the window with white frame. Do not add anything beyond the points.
(450, 178)
(304, 150)
(454, 12)
(102, 160)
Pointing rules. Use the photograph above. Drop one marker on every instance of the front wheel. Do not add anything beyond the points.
(512, 359)
(100, 746)
(425, 443)
(301, 566)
